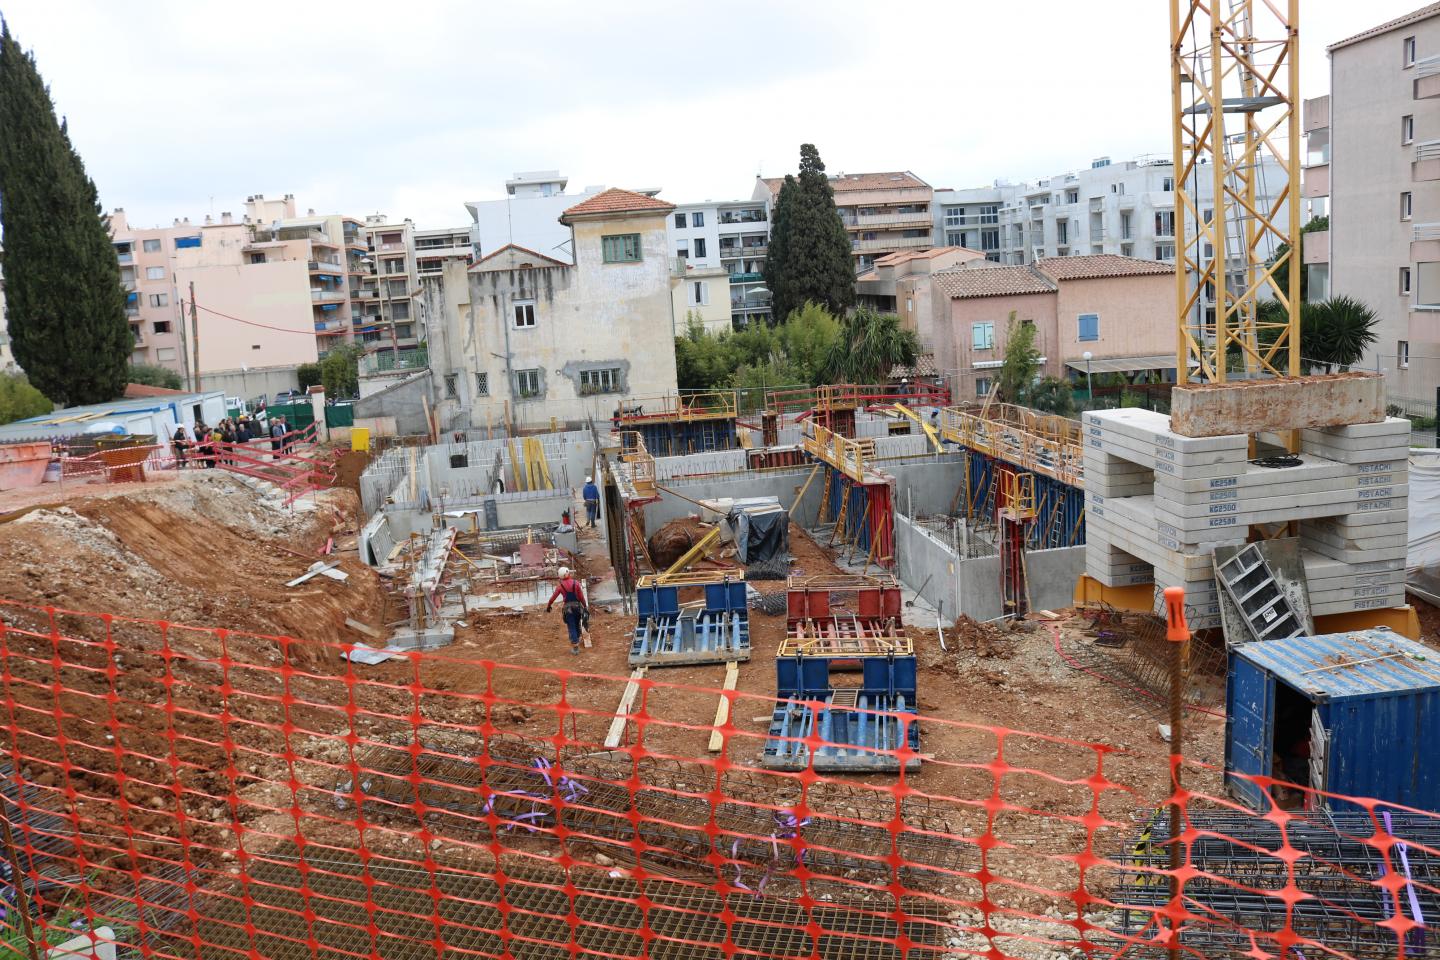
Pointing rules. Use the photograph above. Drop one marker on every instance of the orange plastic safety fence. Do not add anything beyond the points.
(208, 793)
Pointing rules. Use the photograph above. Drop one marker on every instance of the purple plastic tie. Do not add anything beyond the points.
(1409, 881)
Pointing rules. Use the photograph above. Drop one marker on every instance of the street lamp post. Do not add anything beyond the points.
(1089, 384)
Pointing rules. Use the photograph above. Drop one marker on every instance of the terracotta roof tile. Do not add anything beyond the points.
(616, 200)
(1096, 265)
(964, 283)
(902, 256)
(861, 181)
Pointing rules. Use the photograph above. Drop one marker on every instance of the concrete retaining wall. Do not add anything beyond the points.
(715, 461)
(405, 401)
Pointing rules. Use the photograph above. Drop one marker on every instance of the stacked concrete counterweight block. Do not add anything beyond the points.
(1154, 498)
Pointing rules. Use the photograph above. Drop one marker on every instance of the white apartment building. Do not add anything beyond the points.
(1373, 159)
(388, 316)
(732, 236)
(1125, 208)
(528, 216)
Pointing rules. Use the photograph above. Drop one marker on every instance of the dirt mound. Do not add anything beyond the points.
(671, 541)
(349, 464)
(982, 639)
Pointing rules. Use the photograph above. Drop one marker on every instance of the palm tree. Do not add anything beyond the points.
(1053, 395)
(869, 346)
(1336, 332)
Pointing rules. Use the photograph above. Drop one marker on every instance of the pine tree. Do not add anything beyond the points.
(63, 299)
(809, 256)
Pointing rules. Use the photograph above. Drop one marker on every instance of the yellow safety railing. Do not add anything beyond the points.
(1039, 442)
(842, 453)
(639, 464)
(1020, 495)
(707, 405)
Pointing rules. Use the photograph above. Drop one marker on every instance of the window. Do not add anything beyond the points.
(982, 336)
(954, 216)
(154, 273)
(396, 288)
(1407, 205)
(620, 248)
(1404, 281)
(1072, 196)
(1164, 223)
(1125, 226)
(1407, 52)
(524, 314)
(151, 246)
(159, 299)
(162, 326)
(682, 250)
(1062, 231)
(1164, 251)
(165, 353)
(699, 293)
(699, 248)
(527, 383)
(954, 238)
(697, 219)
(452, 391)
(1118, 189)
(482, 384)
(606, 380)
(982, 386)
(394, 266)
(1089, 326)
(257, 258)
(1407, 128)
(990, 239)
(403, 331)
(990, 214)
(1168, 185)
(400, 311)
(1402, 354)
(680, 221)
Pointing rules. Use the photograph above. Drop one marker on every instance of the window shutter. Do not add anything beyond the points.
(1089, 326)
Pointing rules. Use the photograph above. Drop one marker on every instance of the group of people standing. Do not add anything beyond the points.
(207, 445)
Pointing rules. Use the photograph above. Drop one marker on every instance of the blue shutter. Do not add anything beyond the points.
(1089, 326)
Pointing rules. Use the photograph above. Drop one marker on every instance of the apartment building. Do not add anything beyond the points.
(255, 310)
(732, 237)
(528, 216)
(1126, 209)
(7, 355)
(883, 212)
(521, 337)
(1098, 313)
(389, 319)
(1373, 149)
(152, 303)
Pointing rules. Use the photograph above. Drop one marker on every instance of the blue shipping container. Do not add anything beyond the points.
(1350, 713)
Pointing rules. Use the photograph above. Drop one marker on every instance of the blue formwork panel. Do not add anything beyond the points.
(862, 738)
(808, 675)
(665, 635)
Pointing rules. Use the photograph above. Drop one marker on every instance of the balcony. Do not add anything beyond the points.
(1426, 165)
(124, 258)
(731, 219)
(1427, 78)
(324, 295)
(331, 328)
(746, 277)
(326, 266)
(889, 244)
(1316, 248)
(389, 247)
(740, 252)
(891, 220)
(388, 361)
(1315, 182)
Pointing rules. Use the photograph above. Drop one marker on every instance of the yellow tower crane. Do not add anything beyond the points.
(1235, 74)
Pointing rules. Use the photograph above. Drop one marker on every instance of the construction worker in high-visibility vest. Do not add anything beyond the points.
(574, 610)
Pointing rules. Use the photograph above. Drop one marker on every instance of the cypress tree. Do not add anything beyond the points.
(63, 299)
(809, 256)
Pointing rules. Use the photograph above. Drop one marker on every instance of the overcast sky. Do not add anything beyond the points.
(412, 108)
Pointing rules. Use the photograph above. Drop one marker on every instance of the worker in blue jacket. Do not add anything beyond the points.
(591, 495)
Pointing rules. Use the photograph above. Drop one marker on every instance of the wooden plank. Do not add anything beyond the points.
(622, 712)
(722, 712)
(364, 628)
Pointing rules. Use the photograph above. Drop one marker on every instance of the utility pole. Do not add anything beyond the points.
(195, 338)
